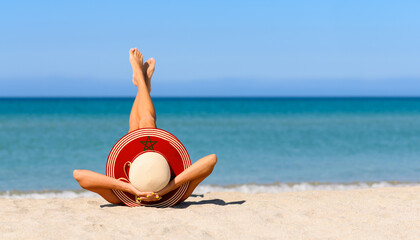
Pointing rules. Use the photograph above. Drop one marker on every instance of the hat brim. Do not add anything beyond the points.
(137, 142)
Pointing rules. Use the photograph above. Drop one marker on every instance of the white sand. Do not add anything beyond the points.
(383, 213)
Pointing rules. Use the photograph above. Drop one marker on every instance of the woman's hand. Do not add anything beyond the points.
(148, 197)
(144, 196)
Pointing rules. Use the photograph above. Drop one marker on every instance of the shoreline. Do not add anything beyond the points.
(276, 187)
(373, 213)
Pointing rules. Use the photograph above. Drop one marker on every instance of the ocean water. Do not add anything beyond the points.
(262, 144)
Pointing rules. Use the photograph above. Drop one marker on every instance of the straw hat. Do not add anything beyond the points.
(148, 158)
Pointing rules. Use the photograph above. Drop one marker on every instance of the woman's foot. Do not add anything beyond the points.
(136, 60)
(148, 69)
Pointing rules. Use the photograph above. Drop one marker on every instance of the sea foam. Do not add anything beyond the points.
(277, 187)
(297, 187)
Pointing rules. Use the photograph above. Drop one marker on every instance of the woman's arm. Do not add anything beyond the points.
(201, 168)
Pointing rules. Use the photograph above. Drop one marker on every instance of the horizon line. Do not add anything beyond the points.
(209, 97)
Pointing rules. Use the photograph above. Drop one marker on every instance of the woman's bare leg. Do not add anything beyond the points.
(143, 105)
(195, 174)
(148, 70)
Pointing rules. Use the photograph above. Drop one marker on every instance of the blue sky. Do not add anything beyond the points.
(211, 48)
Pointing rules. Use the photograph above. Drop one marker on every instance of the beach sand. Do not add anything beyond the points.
(380, 213)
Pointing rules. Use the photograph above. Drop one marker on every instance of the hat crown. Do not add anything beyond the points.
(149, 172)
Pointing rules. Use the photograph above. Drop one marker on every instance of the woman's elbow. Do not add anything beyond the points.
(213, 159)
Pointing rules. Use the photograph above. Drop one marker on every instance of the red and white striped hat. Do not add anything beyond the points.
(140, 141)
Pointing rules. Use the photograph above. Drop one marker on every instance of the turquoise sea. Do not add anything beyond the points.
(263, 144)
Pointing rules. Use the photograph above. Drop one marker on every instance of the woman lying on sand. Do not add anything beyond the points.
(143, 115)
